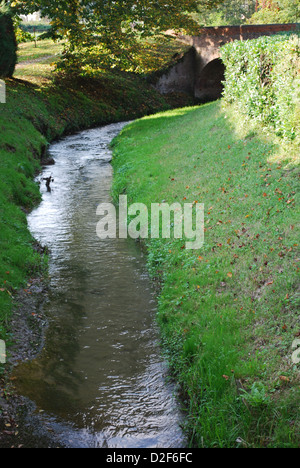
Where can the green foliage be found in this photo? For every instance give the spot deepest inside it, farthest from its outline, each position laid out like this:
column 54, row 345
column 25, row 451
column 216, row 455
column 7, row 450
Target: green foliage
column 23, row 36
column 38, row 28
column 262, row 80
column 236, row 12
column 8, row 44
column 258, row 396
column 115, row 28
column 147, row 56
column 276, row 11
column 230, row 12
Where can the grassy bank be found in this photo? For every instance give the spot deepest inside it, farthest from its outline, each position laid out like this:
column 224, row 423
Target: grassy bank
column 40, row 109
column 229, row 312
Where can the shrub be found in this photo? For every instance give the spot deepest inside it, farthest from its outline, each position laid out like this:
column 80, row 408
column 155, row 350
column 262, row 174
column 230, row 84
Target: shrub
column 262, row 80
column 38, row 28
column 23, row 36
column 8, row 45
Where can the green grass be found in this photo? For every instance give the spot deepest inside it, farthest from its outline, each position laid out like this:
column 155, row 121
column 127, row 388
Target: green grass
column 18, row 260
column 229, row 313
column 29, row 51
column 37, row 64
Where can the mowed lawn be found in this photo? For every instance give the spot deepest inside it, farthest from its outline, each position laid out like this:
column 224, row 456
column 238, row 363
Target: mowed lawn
column 229, row 312
column 36, row 62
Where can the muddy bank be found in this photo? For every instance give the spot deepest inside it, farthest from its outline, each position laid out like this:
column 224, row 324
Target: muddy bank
column 27, row 328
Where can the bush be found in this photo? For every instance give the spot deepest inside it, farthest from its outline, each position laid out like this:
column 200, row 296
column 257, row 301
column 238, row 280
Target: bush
column 22, row 36
column 262, row 80
column 37, row 28
column 8, row 46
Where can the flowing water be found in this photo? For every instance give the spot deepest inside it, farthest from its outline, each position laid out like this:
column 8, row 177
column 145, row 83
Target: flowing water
column 100, row 380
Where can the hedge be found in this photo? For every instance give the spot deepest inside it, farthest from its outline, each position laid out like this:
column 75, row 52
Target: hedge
column 8, row 46
column 263, row 81
column 35, row 28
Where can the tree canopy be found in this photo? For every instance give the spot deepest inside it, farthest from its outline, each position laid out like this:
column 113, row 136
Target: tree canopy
column 82, row 20
column 116, row 28
column 236, row 12
column 276, row 11
column 230, row 12
column 108, row 30
column 8, row 44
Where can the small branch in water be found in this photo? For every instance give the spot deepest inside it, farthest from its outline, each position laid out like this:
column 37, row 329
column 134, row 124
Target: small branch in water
column 48, row 182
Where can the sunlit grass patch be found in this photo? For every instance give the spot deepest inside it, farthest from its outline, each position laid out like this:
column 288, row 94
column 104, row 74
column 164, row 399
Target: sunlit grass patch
column 29, row 51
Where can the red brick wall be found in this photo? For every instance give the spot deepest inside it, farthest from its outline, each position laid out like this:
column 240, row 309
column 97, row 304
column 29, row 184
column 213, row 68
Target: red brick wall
column 247, row 31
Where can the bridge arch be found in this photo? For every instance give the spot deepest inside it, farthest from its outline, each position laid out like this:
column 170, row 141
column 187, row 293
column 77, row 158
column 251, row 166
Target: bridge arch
column 200, row 71
column 209, row 82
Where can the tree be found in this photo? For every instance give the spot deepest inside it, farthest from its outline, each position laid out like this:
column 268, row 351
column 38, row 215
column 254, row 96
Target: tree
column 230, row 12
column 276, row 11
column 116, row 27
column 8, row 44
column 81, row 20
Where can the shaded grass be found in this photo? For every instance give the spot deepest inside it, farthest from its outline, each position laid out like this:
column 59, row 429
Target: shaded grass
column 229, row 313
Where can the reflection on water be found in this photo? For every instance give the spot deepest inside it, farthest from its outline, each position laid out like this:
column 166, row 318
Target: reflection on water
column 100, row 378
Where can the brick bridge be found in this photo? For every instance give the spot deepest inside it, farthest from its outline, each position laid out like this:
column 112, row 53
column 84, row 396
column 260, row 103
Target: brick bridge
column 200, row 71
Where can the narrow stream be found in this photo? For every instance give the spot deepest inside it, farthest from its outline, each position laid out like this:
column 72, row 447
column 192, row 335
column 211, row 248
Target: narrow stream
column 100, row 380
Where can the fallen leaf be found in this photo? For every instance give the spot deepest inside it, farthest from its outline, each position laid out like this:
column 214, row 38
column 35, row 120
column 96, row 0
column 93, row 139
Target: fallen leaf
column 283, row 378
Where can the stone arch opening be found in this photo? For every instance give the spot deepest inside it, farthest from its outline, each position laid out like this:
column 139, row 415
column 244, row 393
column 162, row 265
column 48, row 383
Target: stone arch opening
column 209, row 85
